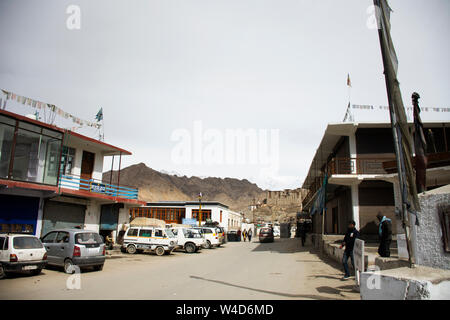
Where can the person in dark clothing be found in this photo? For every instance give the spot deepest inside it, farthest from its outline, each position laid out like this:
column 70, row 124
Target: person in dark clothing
column 349, row 242
column 249, row 235
column 302, row 232
column 385, row 234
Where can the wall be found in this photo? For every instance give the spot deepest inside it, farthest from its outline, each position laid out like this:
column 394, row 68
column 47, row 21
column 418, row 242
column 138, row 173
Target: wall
column 427, row 238
column 98, row 162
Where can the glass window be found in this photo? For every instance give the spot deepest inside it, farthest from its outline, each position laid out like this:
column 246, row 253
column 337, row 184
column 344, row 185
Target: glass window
column 2, row 242
column 62, row 237
column 145, row 233
column 6, row 142
column 26, row 243
column 36, row 157
column 133, row 232
column 158, row 233
column 49, row 237
column 88, row 238
column 67, row 160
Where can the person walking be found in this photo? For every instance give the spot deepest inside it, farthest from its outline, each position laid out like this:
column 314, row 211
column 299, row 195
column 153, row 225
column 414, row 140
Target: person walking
column 349, row 242
column 238, row 233
column 249, row 235
column 385, row 235
column 244, row 234
column 302, row 231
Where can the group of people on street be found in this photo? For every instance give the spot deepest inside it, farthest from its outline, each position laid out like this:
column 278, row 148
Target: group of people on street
column 247, row 235
column 384, row 234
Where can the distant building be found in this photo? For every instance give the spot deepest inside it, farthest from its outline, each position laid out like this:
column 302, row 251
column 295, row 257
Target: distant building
column 360, row 161
column 176, row 211
column 52, row 178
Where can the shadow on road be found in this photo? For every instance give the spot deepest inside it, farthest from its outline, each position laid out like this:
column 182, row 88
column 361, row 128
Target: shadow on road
column 289, row 295
column 290, row 245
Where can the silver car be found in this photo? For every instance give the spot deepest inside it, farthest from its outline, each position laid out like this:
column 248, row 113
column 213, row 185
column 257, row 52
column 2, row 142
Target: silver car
column 69, row 247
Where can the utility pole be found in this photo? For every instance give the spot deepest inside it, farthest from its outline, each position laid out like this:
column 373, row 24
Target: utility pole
column 200, row 209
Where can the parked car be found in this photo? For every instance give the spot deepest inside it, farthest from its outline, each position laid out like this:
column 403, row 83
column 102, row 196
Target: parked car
column 156, row 239
column 211, row 235
column 266, row 235
column 21, row 253
column 222, row 237
column 74, row 247
column 190, row 240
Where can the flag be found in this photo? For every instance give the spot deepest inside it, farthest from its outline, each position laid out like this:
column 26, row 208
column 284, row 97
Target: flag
column 321, row 198
column 398, row 120
column 99, row 116
column 349, row 83
column 420, row 146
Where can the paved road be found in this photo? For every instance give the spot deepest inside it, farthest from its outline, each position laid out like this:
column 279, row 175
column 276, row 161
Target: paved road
column 239, row 270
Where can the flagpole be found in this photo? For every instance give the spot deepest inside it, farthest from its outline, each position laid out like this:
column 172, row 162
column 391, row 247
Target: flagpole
column 397, row 147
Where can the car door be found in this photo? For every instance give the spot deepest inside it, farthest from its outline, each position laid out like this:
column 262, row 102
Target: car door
column 3, row 241
column 62, row 247
column 49, row 243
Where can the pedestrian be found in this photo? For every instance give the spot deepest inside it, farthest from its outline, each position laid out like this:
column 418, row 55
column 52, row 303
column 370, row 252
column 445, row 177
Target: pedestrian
column 244, row 234
column 238, row 235
column 302, row 231
column 249, row 235
column 349, row 241
column 385, row 235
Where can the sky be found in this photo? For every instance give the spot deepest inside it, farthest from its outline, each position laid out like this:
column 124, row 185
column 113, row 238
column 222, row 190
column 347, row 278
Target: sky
column 177, row 78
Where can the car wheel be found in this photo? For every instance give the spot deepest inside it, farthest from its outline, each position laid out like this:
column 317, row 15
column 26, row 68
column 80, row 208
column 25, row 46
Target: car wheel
column 36, row 272
column 131, row 249
column 189, row 247
column 208, row 244
column 69, row 267
column 160, row 251
column 98, row 267
column 2, row 272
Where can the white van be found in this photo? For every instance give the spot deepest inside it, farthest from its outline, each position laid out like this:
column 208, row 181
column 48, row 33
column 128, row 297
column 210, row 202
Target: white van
column 191, row 240
column 21, row 253
column 159, row 240
column 211, row 235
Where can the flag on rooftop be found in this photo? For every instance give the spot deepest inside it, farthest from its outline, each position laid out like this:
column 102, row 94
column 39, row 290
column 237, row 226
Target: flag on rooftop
column 99, row 116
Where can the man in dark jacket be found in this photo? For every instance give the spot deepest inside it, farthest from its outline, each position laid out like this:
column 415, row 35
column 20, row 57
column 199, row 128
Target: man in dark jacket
column 349, row 242
column 385, row 234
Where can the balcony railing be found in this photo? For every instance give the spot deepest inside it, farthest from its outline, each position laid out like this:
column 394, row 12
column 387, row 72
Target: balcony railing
column 358, row 165
column 96, row 186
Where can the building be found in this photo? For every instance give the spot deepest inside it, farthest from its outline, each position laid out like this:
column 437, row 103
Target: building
column 359, row 159
column 52, row 178
column 285, row 198
column 176, row 211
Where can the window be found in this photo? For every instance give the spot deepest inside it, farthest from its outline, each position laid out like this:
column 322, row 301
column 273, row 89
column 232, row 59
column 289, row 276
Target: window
column 220, row 215
column 444, row 217
column 158, row 233
column 6, row 142
column 88, row 238
column 62, row 237
column 49, row 237
column 26, row 243
column 2, row 242
column 67, row 160
column 133, row 232
column 145, row 233
column 206, row 214
column 207, row 230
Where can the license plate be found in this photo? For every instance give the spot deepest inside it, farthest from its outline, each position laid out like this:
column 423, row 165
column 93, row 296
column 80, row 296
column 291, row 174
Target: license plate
column 94, row 250
column 29, row 267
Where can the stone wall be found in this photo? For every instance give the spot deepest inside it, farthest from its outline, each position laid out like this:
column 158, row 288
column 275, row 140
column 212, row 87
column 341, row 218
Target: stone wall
column 427, row 238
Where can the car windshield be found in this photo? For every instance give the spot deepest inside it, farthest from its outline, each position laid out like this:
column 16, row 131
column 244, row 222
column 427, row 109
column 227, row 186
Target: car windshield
column 26, row 243
column 88, row 238
column 170, row 233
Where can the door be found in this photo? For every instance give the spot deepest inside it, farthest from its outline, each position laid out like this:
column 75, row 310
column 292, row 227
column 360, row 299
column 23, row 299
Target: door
column 87, row 165
column 49, row 243
column 62, row 247
column 334, row 218
column 61, row 215
column 110, row 216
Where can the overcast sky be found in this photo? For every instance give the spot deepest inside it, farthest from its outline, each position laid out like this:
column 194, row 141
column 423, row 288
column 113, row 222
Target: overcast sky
column 157, row 66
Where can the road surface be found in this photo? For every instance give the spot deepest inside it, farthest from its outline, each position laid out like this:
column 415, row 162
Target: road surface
column 238, row 270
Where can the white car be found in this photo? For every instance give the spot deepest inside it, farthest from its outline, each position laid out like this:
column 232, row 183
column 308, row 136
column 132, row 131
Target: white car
column 191, row 240
column 211, row 235
column 159, row 240
column 21, row 253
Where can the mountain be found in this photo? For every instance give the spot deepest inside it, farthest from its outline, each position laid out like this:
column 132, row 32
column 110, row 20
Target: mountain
column 158, row 186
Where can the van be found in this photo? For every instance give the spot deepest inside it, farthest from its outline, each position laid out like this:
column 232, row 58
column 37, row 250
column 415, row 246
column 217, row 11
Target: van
column 190, row 240
column 156, row 239
column 211, row 235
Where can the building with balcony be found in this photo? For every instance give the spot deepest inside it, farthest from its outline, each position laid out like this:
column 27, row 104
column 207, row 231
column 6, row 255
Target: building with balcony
column 359, row 160
column 52, row 178
column 176, row 211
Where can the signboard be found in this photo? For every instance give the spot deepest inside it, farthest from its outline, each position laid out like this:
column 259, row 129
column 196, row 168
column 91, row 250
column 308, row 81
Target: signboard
column 358, row 256
column 98, row 187
column 190, row 221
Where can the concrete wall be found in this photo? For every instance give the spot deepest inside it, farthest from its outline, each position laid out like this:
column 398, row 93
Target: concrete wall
column 98, row 161
column 427, row 238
